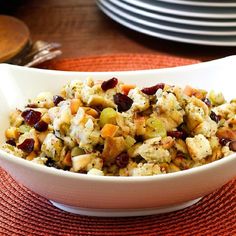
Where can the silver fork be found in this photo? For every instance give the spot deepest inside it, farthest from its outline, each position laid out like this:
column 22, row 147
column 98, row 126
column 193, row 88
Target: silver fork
column 37, row 53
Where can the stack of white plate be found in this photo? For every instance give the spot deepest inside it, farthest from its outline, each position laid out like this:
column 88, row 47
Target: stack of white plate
column 206, row 22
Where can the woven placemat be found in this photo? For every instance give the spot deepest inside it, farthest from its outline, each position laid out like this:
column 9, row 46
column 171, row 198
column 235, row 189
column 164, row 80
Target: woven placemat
column 117, row 62
column 23, row 212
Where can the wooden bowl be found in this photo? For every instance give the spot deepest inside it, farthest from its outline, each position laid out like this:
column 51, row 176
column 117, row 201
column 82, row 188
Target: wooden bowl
column 14, row 37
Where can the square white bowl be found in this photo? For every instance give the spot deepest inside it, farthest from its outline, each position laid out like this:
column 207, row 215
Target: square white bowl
column 116, row 196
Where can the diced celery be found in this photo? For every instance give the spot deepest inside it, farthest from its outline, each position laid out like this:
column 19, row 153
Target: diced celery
column 155, row 128
column 129, row 141
column 24, row 129
column 154, row 123
column 107, row 116
column 132, row 152
column 76, row 151
column 216, row 98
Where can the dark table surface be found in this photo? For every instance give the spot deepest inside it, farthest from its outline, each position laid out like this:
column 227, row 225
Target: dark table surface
column 83, row 30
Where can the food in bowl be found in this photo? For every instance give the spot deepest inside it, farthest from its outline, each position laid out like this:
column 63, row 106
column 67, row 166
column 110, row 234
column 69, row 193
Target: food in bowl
column 114, row 129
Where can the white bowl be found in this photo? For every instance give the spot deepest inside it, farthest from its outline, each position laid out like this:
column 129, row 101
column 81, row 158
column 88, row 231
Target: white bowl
column 116, row 196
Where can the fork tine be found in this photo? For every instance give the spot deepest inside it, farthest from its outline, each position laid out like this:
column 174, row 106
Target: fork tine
column 45, row 46
column 50, row 55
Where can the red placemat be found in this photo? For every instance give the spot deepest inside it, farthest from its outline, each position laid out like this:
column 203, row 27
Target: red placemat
column 23, row 212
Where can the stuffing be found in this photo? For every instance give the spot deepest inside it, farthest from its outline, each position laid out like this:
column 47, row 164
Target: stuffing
column 226, row 110
column 86, row 162
column 12, row 150
column 208, row 128
column 226, row 151
column 12, row 133
column 84, row 130
column 80, row 162
column 167, row 121
column 52, row 147
column 146, row 169
column 44, row 100
column 108, row 128
column 72, row 89
column 169, row 108
column 152, row 151
column 128, row 170
column 140, row 100
column 196, row 112
column 61, row 118
column 93, row 95
column 214, row 142
column 113, row 146
column 125, row 121
column 181, row 146
column 226, row 133
column 40, row 160
column 198, row 147
column 95, row 171
column 140, row 125
column 181, row 97
column 15, row 118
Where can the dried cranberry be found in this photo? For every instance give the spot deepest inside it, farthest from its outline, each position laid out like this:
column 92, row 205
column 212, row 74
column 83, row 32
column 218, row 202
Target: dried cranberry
column 109, row 84
column 41, row 126
column 207, row 102
column 31, row 117
column 11, row 142
column 152, row 90
column 122, row 160
column 27, row 145
column 224, row 141
column 57, row 99
column 232, row 145
column 139, row 138
column 123, row 102
column 185, row 131
column 214, row 117
column 176, row 134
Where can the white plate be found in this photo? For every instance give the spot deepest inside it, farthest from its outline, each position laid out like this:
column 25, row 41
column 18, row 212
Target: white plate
column 112, row 195
column 185, row 38
column 163, row 25
column 177, row 19
column 201, row 12
column 206, row 3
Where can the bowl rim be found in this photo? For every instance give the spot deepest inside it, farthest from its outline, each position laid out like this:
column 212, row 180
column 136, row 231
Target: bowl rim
column 62, row 173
